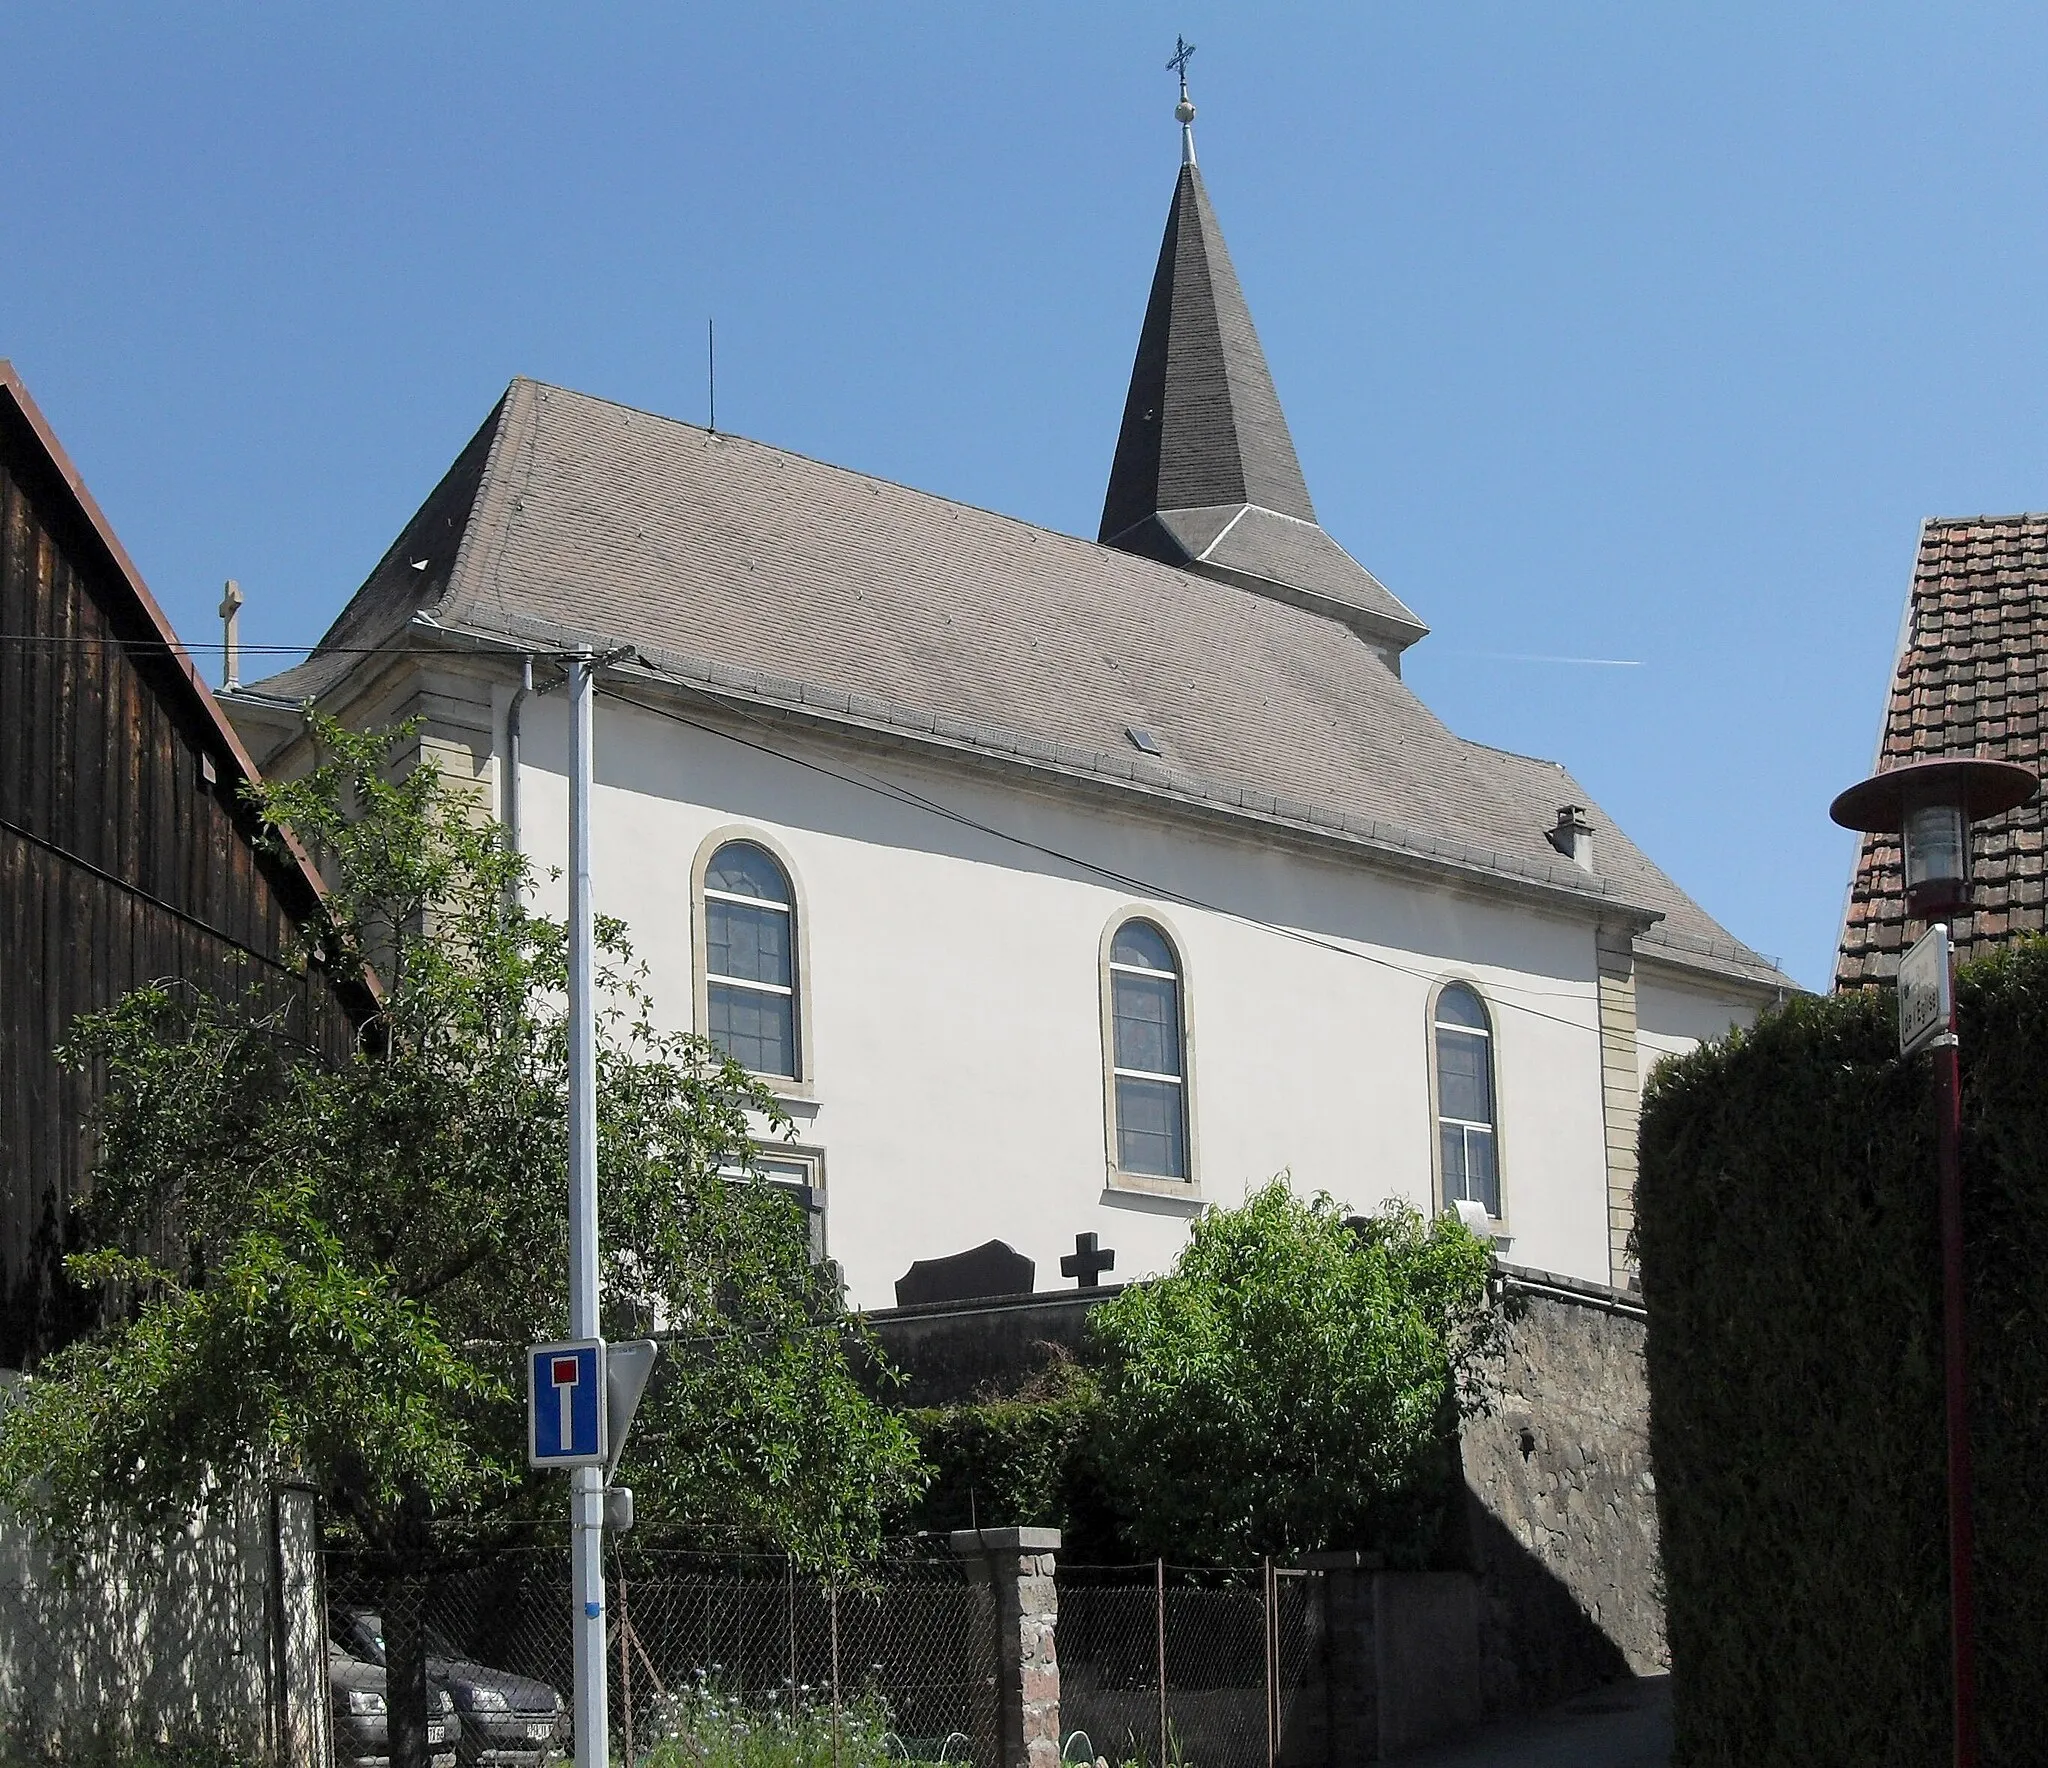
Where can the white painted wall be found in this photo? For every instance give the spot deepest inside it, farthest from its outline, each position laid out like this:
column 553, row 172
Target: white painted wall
column 953, row 997
column 1674, row 1014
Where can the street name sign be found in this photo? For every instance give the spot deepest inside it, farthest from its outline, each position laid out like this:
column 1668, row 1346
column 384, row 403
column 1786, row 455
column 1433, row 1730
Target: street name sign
column 1926, row 1004
column 566, row 1410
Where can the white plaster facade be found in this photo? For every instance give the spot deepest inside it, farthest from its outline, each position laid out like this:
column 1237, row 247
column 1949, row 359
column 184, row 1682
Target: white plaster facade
column 951, row 981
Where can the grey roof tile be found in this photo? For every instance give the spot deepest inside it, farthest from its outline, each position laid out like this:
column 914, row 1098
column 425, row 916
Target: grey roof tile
column 1205, row 473
column 765, row 574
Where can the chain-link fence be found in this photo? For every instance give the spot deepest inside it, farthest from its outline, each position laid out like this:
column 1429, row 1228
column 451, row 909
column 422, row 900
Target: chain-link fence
column 715, row 1662
column 1162, row 1665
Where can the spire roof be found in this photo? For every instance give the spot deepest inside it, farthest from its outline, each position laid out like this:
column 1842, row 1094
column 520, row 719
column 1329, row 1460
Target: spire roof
column 1205, row 475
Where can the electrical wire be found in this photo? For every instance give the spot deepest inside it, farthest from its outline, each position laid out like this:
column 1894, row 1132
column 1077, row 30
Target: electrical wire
column 886, row 788
column 1129, row 881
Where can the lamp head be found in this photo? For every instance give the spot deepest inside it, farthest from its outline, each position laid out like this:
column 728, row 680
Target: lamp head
column 1930, row 805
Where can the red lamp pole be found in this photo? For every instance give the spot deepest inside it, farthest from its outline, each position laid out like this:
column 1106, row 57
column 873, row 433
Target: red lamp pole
column 1948, row 1112
column 1930, row 805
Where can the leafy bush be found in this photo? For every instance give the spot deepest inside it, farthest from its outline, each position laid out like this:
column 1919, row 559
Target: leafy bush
column 1023, row 1460
column 1786, row 1220
column 1292, row 1384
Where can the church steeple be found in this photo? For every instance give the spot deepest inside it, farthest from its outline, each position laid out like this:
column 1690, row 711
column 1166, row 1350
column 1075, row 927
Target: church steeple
column 1205, row 475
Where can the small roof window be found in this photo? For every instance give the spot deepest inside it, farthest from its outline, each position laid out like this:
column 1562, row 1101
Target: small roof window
column 1141, row 738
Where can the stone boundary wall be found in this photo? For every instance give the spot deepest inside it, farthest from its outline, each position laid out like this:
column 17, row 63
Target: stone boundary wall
column 957, row 1351
column 1561, row 1500
column 212, row 1637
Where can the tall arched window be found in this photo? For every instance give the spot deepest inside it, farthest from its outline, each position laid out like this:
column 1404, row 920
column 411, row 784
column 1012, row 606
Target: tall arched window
column 1464, row 1099
column 750, row 959
column 1148, row 1053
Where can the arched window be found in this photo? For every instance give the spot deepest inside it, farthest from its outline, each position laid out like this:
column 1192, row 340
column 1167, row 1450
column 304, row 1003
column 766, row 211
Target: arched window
column 1464, row 1099
column 750, row 959
column 1148, row 1054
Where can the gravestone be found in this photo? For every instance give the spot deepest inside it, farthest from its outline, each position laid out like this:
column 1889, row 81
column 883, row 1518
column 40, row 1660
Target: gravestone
column 992, row 1268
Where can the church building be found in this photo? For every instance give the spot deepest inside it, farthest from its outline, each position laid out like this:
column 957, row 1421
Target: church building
column 1056, row 886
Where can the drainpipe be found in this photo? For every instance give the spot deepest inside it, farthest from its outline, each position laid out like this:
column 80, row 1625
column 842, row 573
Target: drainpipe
column 510, row 795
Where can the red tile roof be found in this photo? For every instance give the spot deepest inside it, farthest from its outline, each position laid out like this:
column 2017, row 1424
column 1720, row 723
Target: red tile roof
column 1971, row 680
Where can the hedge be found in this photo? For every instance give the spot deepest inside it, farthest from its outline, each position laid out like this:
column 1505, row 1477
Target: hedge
column 1026, row 1461
column 1787, row 1229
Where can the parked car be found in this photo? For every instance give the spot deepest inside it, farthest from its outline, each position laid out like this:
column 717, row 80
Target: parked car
column 507, row 1721
column 362, row 1718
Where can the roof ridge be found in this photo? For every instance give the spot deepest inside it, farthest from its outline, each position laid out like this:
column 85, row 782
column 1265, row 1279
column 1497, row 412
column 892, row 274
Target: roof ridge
column 1515, row 754
column 1121, row 554
column 1986, row 516
column 829, row 466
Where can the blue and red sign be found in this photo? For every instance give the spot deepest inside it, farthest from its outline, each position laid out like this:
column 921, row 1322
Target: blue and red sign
column 565, row 1404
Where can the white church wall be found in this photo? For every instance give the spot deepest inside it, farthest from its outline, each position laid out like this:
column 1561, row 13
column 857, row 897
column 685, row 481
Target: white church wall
column 953, row 1000
column 1675, row 1014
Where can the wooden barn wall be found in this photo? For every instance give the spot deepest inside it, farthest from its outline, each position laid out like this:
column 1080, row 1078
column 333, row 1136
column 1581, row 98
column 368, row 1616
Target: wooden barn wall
column 119, row 866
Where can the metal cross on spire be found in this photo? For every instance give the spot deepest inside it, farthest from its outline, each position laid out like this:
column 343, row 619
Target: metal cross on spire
column 1185, row 110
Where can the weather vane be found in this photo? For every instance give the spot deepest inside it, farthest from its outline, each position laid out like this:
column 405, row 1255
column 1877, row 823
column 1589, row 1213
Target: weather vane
column 1185, row 110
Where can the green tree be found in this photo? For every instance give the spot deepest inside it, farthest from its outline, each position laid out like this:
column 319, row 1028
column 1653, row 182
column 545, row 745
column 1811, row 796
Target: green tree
column 1291, row 1384
column 331, row 1270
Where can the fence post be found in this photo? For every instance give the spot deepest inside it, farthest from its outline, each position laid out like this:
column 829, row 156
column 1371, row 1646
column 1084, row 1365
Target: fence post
column 1272, row 1642
column 835, row 1669
column 1017, row 1566
column 625, row 1660
column 1159, row 1618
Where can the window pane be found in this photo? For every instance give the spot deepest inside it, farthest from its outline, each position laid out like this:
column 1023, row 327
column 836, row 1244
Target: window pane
column 1453, row 1141
column 746, row 870
column 1147, row 1014
column 746, row 942
column 1464, row 1081
column 1458, row 1005
column 1141, row 943
column 758, row 1031
column 1151, row 1135
column 1481, row 1179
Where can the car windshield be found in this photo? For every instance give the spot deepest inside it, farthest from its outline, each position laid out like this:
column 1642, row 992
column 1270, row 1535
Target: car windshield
column 365, row 1633
column 439, row 1645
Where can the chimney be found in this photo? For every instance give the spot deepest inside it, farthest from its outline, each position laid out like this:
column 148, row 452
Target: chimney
column 1573, row 836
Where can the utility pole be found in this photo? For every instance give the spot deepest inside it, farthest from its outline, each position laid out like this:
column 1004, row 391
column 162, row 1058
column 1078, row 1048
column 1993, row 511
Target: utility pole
column 586, row 1483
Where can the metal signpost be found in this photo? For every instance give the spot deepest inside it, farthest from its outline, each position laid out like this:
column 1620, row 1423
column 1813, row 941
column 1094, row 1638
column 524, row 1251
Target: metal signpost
column 581, row 1393
column 586, row 1478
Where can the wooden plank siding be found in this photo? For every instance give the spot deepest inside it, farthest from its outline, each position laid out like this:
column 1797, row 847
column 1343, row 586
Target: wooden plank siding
column 120, row 863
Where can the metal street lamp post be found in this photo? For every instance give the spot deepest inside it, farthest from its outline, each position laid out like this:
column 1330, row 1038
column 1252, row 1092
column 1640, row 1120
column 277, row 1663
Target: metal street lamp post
column 1930, row 805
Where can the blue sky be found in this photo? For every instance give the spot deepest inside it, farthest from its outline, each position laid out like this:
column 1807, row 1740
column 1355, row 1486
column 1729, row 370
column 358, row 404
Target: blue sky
column 1619, row 331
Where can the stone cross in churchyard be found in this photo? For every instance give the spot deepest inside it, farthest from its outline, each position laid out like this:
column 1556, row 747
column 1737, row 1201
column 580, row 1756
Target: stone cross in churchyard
column 1085, row 1264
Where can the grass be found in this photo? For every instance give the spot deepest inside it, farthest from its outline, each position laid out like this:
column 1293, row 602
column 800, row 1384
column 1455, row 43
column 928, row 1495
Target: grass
column 707, row 1728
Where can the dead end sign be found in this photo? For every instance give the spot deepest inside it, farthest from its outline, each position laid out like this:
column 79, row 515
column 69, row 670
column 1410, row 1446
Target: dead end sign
column 566, row 1404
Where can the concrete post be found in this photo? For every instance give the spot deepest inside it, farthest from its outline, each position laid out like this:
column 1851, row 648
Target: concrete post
column 1017, row 1567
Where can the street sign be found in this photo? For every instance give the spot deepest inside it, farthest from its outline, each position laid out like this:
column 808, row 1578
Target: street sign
column 627, row 1366
column 1926, row 1005
column 566, row 1409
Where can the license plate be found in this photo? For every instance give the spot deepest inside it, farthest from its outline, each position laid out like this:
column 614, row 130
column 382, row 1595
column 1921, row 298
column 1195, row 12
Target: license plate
column 541, row 1733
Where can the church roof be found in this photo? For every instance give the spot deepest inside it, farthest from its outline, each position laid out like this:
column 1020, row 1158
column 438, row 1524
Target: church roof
column 1972, row 679
column 759, row 576
column 1205, row 474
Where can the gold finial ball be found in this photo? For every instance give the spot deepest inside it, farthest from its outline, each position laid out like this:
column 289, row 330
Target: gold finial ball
column 1185, row 110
